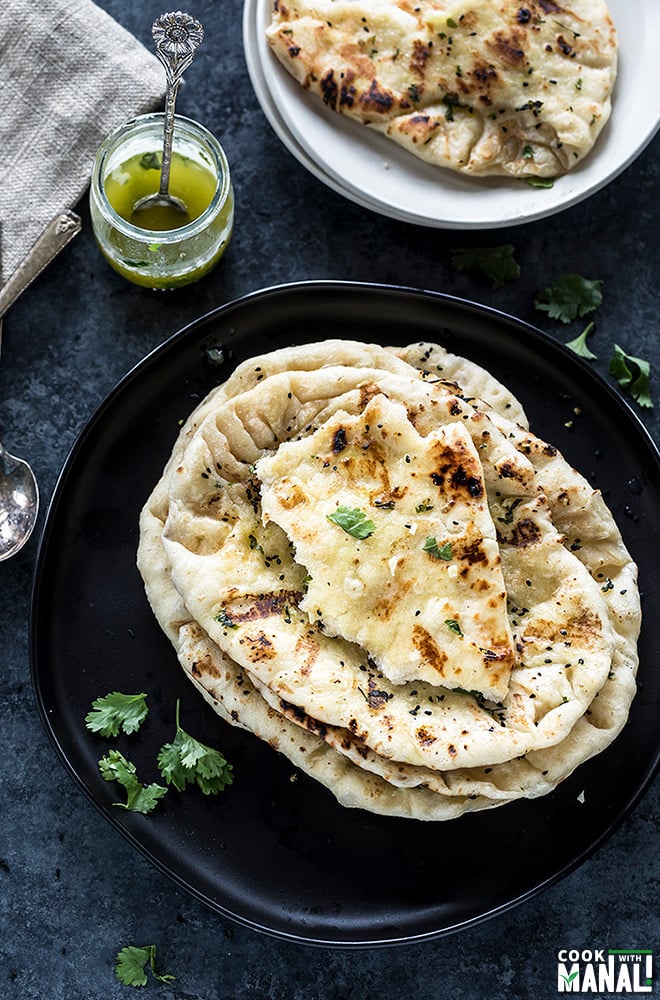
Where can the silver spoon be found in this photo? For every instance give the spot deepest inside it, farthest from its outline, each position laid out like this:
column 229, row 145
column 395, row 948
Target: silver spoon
column 19, row 503
column 177, row 37
column 19, row 493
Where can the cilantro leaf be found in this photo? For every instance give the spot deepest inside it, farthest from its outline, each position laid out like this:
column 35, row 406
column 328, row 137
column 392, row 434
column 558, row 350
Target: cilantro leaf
column 633, row 374
column 186, row 761
column 117, row 711
column 353, row 521
column 139, row 798
column 579, row 345
column 497, row 263
column 568, row 297
column 438, row 552
column 131, row 967
column 150, row 161
column 453, row 626
column 225, row 619
column 540, row 182
column 509, row 510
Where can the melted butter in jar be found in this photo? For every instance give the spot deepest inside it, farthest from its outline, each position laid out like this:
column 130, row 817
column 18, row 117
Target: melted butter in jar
column 161, row 246
column 191, row 181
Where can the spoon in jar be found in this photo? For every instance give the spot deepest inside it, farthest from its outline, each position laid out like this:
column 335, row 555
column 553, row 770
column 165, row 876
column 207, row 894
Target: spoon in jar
column 177, row 37
column 19, row 493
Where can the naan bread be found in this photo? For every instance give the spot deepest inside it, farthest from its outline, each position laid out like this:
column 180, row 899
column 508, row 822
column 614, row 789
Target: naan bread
column 428, row 557
column 353, row 786
column 589, row 530
column 239, row 579
column 475, row 383
column 578, row 510
column 405, row 791
column 478, row 86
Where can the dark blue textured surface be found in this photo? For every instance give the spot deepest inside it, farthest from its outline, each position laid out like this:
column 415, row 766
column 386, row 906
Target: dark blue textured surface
column 72, row 890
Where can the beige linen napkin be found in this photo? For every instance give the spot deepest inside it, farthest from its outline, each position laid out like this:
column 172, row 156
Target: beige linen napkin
column 69, row 74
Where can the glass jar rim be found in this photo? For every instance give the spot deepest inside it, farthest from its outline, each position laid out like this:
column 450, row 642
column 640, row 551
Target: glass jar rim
column 194, row 130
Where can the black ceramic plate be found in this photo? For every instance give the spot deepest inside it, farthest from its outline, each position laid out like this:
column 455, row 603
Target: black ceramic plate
column 276, row 851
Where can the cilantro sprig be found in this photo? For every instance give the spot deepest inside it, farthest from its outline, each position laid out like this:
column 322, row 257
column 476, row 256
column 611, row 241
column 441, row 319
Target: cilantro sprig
column 497, row 263
column 117, row 711
column 185, row 761
column 579, row 344
column 569, row 297
column 437, row 551
column 139, row 798
column 353, row 521
column 131, row 966
column 633, row 374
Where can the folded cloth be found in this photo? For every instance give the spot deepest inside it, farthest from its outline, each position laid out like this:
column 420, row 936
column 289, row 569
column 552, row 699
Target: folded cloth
column 69, row 75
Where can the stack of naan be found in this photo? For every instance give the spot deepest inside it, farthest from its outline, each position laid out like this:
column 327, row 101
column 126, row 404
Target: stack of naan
column 518, row 87
column 364, row 556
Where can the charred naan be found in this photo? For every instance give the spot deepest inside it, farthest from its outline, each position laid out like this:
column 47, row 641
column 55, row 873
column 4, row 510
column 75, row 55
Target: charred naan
column 356, row 775
column 429, row 556
column 239, row 579
column 478, row 86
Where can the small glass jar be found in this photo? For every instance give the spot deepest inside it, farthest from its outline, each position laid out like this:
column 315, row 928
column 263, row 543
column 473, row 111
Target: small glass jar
column 127, row 168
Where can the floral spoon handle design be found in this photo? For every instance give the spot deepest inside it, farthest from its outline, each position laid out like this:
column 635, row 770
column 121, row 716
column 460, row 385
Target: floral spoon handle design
column 177, row 37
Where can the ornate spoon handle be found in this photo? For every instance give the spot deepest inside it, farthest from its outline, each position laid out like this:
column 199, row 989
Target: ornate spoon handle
column 177, row 37
column 55, row 236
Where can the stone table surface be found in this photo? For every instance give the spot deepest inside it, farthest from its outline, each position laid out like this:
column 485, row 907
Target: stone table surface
column 74, row 890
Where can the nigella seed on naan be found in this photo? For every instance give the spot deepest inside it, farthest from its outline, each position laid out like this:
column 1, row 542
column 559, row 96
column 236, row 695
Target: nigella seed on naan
column 478, row 86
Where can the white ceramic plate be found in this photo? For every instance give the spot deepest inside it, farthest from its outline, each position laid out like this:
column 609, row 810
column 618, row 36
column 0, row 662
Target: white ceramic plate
column 372, row 170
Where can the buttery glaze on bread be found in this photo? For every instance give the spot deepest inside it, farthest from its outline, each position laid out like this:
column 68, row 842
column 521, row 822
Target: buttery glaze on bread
column 483, row 87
